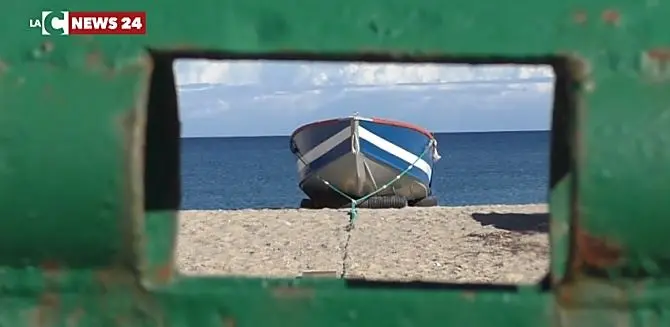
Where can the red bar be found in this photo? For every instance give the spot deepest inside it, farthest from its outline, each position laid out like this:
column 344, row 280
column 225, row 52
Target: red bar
column 121, row 23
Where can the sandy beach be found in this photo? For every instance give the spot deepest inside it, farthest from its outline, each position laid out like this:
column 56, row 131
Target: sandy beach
column 493, row 243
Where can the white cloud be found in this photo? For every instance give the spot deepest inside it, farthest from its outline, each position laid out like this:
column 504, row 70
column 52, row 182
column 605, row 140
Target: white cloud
column 250, row 72
column 448, row 97
column 216, row 71
column 366, row 74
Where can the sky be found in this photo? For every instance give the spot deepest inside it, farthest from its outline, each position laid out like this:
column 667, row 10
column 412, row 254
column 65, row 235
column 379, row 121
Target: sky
column 253, row 98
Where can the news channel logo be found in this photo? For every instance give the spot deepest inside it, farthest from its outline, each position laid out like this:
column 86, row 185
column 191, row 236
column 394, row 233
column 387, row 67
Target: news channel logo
column 52, row 23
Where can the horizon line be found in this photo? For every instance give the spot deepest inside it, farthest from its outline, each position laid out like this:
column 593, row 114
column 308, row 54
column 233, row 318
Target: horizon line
column 287, row 135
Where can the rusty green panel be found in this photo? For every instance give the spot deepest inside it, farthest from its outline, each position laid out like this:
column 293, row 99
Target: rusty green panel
column 87, row 234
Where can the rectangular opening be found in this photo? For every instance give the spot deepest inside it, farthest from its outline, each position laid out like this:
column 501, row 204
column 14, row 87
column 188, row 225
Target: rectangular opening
column 241, row 177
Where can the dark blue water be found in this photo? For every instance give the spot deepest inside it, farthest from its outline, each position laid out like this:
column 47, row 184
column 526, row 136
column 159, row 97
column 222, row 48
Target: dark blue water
column 260, row 172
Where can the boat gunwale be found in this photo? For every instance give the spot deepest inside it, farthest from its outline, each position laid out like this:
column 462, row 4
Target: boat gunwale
column 382, row 121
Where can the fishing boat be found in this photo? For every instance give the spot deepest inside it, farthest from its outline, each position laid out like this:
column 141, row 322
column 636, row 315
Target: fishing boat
column 356, row 156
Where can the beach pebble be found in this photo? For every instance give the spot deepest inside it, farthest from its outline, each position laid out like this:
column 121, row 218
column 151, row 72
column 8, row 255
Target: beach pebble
column 494, row 244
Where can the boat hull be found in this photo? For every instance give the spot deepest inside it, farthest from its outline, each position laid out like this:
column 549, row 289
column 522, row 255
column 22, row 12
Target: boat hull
column 358, row 156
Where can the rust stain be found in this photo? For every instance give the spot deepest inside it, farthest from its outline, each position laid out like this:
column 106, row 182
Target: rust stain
column 579, row 17
column 122, row 321
column 94, row 59
column 50, row 267
column 164, row 273
column 229, row 322
column 49, row 300
column 596, row 252
column 48, row 91
column 287, row 292
column 659, row 54
column 105, row 277
column 469, row 295
column 611, row 16
column 579, row 68
column 3, row 67
column 142, row 63
column 46, row 309
column 47, row 47
column 566, row 294
column 655, row 64
column 74, row 317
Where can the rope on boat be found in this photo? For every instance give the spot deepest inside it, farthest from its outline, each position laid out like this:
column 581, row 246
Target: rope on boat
column 353, row 212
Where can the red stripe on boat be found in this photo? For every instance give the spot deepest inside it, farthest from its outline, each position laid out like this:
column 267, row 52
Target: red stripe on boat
column 403, row 124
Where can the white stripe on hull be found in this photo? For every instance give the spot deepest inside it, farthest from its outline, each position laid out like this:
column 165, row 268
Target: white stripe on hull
column 395, row 150
column 324, row 147
column 364, row 134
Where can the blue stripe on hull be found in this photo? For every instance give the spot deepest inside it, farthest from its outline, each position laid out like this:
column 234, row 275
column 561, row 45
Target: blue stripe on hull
column 411, row 140
column 408, row 139
column 381, row 156
column 312, row 136
column 332, row 155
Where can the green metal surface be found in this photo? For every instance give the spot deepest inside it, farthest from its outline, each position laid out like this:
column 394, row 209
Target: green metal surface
column 87, row 234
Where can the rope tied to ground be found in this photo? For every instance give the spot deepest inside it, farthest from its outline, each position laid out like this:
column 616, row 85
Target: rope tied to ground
column 353, row 211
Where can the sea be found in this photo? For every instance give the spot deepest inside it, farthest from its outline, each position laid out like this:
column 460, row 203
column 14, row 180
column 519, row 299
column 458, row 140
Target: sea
column 260, row 172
